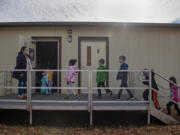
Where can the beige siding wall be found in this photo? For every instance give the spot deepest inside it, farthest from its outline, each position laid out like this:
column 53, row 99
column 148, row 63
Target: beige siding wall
column 145, row 47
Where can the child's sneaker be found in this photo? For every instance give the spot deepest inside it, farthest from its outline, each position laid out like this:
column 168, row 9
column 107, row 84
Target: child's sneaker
column 131, row 98
column 76, row 97
column 20, row 96
column 170, row 116
column 110, row 93
column 116, row 98
column 160, row 109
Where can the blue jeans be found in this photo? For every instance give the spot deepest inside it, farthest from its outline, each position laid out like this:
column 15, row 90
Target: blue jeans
column 20, row 90
column 124, row 84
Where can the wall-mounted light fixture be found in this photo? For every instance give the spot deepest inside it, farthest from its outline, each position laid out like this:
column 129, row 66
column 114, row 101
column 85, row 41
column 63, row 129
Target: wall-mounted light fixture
column 70, row 38
column 69, row 32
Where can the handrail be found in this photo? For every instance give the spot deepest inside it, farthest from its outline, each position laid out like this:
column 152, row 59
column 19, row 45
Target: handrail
column 142, row 80
column 93, row 88
column 162, row 94
column 10, row 70
column 117, row 88
column 57, row 70
column 166, row 79
column 36, row 70
column 64, row 70
column 121, row 70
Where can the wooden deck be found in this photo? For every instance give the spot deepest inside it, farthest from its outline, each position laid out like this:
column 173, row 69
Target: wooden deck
column 57, row 102
column 89, row 103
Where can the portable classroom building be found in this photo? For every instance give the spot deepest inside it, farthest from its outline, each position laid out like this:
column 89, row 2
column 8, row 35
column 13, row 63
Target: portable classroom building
column 146, row 45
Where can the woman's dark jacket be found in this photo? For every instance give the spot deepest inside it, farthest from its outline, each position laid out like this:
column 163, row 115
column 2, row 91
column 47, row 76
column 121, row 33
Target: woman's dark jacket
column 20, row 64
column 154, row 84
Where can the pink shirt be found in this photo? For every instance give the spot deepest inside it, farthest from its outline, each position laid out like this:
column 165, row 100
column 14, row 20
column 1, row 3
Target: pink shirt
column 175, row 93
column 72, row 76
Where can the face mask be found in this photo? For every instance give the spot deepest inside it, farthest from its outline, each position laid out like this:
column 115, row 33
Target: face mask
column 145, row 74
column 26, row 52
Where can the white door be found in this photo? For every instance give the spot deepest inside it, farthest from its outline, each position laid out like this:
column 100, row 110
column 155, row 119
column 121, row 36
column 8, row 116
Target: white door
column 91, row 52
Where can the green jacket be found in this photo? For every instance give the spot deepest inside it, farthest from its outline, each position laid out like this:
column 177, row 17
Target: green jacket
column 101, row 76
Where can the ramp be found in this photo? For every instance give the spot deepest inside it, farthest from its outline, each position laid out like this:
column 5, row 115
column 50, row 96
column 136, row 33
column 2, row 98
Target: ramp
column 163, row 117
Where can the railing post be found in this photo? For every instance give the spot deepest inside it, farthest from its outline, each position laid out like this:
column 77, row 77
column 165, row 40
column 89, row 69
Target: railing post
column 29, row 103
column 89, row 89
column 150, row 97
column 11, row 83
column 5, row 82
column 90, row 95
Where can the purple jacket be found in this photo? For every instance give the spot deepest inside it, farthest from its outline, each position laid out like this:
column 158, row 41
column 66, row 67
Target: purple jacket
column 174, row 95
column 72, row 76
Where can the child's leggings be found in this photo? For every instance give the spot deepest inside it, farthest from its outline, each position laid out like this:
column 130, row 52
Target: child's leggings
column 71, row 91
column 124, row 84
column 175, row 106
column 155, row 100
column 154, row 97
column 102, row 84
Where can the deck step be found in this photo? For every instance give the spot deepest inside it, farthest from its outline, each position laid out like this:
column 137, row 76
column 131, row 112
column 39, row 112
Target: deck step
column 163, row 117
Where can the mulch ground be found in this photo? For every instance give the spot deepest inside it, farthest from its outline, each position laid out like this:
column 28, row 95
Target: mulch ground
column 15, row 122
column 43, row 130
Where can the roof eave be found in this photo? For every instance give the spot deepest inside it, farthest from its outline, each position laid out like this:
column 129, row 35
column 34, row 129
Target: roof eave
column 20, row 24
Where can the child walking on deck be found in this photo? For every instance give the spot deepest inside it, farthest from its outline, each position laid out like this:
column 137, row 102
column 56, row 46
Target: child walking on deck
column 154, row 86
column 50, row 80
column 44, row 83
column 71, row 78
column 101, row 78
column 123, row 76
